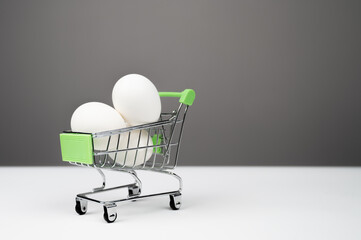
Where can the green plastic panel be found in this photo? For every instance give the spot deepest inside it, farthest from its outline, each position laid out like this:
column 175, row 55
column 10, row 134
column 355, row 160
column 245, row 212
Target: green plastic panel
column 158, row 137
column 187, row 96
column 77, row 147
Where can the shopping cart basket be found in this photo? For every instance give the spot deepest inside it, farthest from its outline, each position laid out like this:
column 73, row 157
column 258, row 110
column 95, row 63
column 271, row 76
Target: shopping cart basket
column 78, row 149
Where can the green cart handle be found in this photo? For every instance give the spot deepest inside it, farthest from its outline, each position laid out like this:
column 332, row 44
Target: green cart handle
column 187, row 96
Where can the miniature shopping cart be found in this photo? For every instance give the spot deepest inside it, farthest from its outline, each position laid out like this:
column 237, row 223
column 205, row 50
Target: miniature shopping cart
column 165, row 139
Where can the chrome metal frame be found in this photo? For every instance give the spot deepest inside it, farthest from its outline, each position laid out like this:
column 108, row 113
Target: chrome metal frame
column 170, row 126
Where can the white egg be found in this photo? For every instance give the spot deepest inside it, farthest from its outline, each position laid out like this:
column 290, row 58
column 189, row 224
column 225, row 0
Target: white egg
column 95, row 117
column 140, row 156
column 136, row 98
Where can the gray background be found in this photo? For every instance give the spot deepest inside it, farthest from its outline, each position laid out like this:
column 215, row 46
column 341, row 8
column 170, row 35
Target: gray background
column 277, row 82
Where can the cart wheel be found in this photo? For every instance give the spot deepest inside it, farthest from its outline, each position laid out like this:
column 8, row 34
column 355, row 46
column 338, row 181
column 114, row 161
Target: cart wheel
column 175, row 201
column 81, row 206
column 110, row 214
column 134, row 191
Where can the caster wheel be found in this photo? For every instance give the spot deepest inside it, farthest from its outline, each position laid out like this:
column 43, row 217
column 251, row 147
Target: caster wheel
column 110, row 214
column 134, row 191
column 81, row 207
column 175, row 201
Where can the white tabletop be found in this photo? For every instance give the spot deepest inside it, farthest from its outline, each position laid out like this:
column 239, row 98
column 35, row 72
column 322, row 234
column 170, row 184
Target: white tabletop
column 218, row 203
